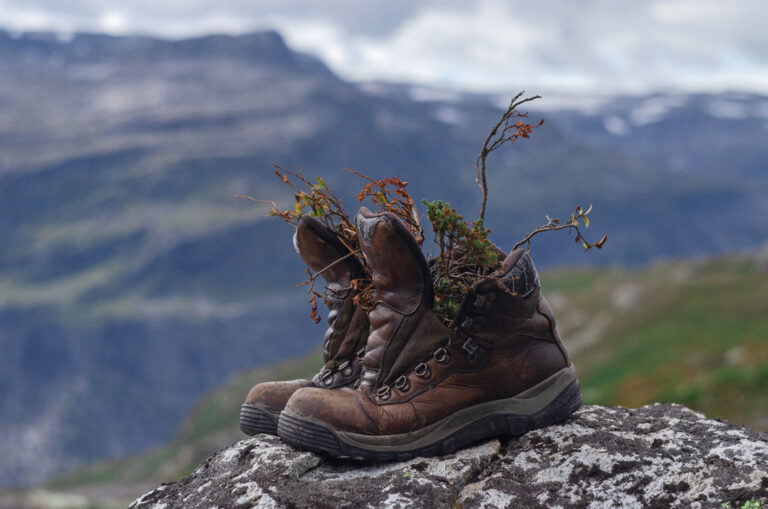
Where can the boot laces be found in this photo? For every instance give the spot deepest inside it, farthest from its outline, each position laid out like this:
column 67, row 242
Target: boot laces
column 339, row 294
column 326, row 375
column 441, row 355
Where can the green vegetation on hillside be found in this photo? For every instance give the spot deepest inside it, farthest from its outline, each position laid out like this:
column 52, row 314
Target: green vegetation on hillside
column 692, row 332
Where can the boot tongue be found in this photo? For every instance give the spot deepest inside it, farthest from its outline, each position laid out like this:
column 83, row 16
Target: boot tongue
column 319, row 247
column 403, row 329
column 321, row 250
column 401, row 276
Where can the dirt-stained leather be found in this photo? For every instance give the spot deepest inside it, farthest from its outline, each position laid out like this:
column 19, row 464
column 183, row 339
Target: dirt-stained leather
column 347, row 331
column 403, row 298
column 416, row 371
column 272, row 396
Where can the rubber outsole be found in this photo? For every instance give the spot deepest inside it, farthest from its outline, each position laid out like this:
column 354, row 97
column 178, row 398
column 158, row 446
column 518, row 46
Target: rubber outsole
column 319, row 437
column 255, row 419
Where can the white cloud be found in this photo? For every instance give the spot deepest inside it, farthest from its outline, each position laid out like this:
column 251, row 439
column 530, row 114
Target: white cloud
column 590, row 46
column 596, row 45
column 113, row 22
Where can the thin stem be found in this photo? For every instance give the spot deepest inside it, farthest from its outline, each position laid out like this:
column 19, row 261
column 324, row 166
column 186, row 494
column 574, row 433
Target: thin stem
column 314, row 276
column 541, row 229
column 495, row 139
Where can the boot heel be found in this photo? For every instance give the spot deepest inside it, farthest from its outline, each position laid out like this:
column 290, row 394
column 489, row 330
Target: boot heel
column 565, row 404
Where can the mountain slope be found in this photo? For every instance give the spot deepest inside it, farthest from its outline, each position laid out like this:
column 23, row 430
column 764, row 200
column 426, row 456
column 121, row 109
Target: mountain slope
column 131, row 281
column 685, row 331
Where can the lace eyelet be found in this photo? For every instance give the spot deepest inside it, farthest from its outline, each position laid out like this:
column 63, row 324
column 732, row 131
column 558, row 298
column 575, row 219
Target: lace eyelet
column 384, row 393
column 473, row 324
column 471, row 348
column 442, row 356
column 325, row 376
column 402, row 383
column 347, row 371
column 361, row 354
column 422, row 371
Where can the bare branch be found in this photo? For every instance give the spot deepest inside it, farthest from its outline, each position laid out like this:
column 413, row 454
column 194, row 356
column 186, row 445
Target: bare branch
column 312, row 277
column 553, row 224
column 509, row 133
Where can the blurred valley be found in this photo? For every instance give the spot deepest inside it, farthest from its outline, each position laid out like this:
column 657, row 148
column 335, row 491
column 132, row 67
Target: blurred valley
column 132, row 281
column 691, row 332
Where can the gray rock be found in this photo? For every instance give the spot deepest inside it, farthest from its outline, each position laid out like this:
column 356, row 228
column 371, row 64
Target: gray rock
column 658, row 455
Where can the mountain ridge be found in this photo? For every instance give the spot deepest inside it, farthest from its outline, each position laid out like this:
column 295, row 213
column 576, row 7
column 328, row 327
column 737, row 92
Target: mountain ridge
column 128, row 268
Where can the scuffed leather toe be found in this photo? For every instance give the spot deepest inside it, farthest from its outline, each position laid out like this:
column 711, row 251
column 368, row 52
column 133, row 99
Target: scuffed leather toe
column 341, row 409
column 274, row 395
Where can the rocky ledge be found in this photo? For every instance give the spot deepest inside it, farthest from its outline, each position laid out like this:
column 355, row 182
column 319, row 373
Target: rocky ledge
column 654, row 456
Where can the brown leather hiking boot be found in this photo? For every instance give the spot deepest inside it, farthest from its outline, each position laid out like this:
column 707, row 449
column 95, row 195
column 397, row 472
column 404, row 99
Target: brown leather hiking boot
column 344, row 340
column 425, row 390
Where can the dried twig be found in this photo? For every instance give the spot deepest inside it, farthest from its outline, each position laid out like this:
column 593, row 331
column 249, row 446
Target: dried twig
column 553, row 224
column 312, row 277
column 510, row 132
column 273, row 206
column 390, row 194
column 315, row 198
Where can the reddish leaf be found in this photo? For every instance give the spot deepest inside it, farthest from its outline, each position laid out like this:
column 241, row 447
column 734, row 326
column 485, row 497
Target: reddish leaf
column 600, row 242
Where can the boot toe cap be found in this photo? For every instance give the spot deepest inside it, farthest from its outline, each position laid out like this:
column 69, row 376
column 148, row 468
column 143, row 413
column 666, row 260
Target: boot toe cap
column 274, row 395
column 341, row 409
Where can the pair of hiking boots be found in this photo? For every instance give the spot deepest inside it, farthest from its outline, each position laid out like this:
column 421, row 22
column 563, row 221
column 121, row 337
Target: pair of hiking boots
column 398, row 383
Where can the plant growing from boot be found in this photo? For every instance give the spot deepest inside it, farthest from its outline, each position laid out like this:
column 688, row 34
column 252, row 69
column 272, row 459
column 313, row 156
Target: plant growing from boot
column 315, row 199
column 466, row 254
column 318, row 200
column 510, row 128
column 390, row 194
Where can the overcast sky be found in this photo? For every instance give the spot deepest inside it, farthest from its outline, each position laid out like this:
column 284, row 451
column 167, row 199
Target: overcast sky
column 486, row 45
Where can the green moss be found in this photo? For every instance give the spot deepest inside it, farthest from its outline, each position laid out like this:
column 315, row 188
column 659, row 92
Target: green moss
column 466, row 253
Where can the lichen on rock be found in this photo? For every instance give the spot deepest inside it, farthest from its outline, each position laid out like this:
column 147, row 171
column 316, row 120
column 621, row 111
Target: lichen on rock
column 658, row 455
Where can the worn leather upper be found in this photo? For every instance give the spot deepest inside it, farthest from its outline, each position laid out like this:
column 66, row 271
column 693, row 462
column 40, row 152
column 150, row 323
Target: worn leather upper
column 273, row 396
column 403, row 298
column 347, row 331
column 416, row 371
